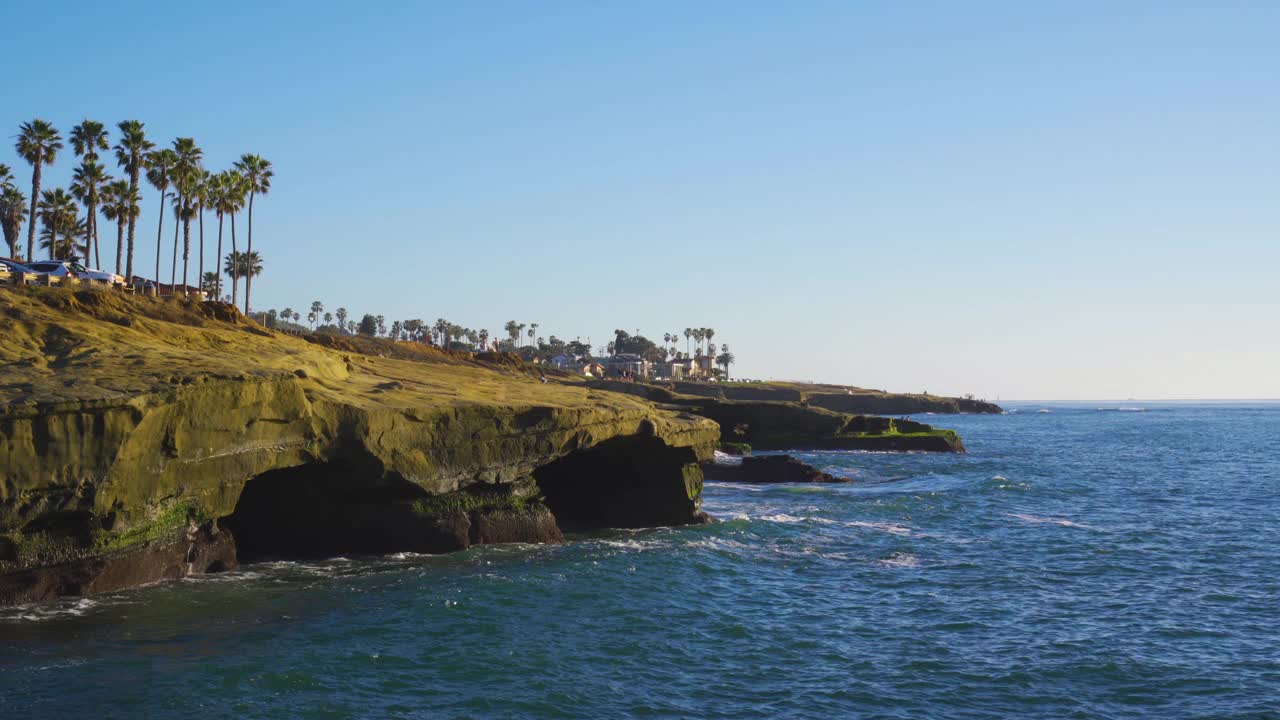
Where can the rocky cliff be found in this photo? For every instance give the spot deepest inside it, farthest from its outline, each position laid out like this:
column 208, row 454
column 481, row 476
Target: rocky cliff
column 144, row 439
column 794, row 425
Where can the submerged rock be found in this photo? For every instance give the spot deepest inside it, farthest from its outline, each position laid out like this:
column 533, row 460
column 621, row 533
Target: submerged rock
column 769, row 469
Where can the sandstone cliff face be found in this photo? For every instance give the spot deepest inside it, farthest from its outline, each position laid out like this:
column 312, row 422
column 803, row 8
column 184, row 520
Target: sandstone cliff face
column 133, row 429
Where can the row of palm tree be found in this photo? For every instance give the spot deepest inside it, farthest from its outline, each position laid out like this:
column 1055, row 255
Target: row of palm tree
column 697, row 335
column 178, row 171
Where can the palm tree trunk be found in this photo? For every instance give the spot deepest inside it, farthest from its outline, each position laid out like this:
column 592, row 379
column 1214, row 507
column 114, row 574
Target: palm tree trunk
column 217, row 259
column 31, row 219
column 248, row 277
column 119, row 243
column 159, row 235
column 88, row 239
column 186, row 241
column 201, row 263
column 235, row 265
column 173, row 267
column 133, row 222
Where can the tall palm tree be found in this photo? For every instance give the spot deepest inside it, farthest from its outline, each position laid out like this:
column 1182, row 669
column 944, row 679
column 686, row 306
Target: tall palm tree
column 57, row 212
column 242, row 265
column 87, row 139
column 160, row 164
column 120, row 203
column 533, row 332
column 707, row 334
column 13, row 209
column 201, row 197
column 176, row 203
column 38, row 144
column 186, row 181
column 131, row 154
column 89, row 178
column 257, row 173
column 725, row 359
column 231, row 201
column 688, row 333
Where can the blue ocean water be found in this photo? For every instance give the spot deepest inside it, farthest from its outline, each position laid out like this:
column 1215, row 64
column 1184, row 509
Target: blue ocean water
column 1092, row 561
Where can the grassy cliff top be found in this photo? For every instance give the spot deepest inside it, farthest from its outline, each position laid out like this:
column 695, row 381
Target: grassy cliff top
column 62, row 346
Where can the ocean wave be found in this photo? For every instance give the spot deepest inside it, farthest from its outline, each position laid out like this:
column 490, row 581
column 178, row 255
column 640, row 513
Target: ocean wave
column 900, row 560
column 69, row 607
column 1036, row 519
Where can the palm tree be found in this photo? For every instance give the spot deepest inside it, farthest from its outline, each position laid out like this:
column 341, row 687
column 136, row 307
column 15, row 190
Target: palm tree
column 533, row 332
column 688, row 333
column 513, row 331
column 160, row 164
column 708, row 333
column 201, row 197
column 242, row 264
column 484, row 340
column 725, row 359
column 85, row 186
column 186, row 178
column 131, row 154
column 209, row 283
column 257, row 173
column 57, row 212
column 87, row 139
column 38, row 144
column 13, row 210
column 121, row 206
column 317, row 307
column 230, row 200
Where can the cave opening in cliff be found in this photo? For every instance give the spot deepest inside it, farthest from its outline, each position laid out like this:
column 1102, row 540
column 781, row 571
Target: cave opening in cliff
column 328, row 509
column 627, row 482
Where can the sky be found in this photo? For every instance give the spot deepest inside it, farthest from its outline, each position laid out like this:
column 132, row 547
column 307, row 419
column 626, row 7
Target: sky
column 1050, row 200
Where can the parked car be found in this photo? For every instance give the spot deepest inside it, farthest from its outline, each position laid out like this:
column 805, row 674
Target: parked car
column 71, row 268
column 13, row 266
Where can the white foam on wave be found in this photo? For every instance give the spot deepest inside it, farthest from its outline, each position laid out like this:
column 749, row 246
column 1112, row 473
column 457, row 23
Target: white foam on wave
column 1036, row 519
column 900, row 560
column 48, row 611
column 892, row 528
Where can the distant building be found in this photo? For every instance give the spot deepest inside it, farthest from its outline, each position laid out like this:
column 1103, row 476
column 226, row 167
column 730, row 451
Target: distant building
column 627, row 365
column 667, row 370
column 564, row 362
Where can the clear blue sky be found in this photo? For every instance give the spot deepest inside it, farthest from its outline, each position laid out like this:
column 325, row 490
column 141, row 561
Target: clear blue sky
column 1024, row 200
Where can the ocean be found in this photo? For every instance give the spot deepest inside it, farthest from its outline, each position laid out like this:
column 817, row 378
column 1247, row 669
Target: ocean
column 1096, row 560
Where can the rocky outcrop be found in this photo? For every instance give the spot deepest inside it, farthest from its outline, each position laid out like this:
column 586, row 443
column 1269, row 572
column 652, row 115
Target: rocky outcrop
column 142, row 440
column 762, row 469
column 786, row 425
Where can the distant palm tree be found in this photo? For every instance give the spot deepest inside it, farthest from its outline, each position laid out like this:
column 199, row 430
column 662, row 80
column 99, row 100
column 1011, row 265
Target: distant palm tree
column 707, row 334
column 209, row 283
column 725, row 359
column 484, row 340
column 513, row 331
column 187, row 173
column 533, row 332
column 13, row 210
column 257, row 173
column 160, row 165
column 86, row 186
column 131, row 154
column 38, row 144
column 201, row 197
column 231, row 194
column 688, row 333
column 317, row 307
column 59, row 223
column 242, row 264
column 121, row 204
column 87, row 139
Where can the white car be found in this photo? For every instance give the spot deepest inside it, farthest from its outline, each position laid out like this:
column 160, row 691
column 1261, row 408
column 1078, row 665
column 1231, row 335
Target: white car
column 72, row 268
